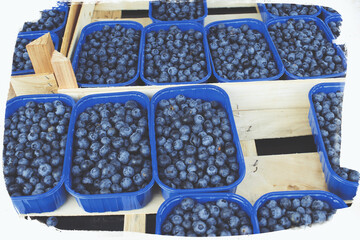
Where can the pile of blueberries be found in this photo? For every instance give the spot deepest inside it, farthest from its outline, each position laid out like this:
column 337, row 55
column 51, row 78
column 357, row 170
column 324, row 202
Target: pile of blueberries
column 109, row 56
column 174, row 56
column 283, row 10
column 49, row 20
column 34, row 147
column 209, row 219
column 328, row 108
column 304, row 49
column 172, row 10
column 194, row 143
column 21, row 60
column 335, row 27
column 240, row 53
column 111, row 149
column 285, row 213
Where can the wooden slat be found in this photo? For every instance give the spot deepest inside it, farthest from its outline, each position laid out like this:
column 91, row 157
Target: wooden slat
column 272, row 123
column 85, row 15
column 123, row 5
column 11, row 93
column 63, row 71
column 142, row 21
column 114, row 15
column 230, row 3
column 70, row 27
column 214, row 18
column 248, row 148
column 243, row 95
column 34, row 84
column 40, row 51
column 135, row 223
column 281, row 173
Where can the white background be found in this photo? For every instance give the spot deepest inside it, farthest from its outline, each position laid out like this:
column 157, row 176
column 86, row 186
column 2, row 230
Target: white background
column 345, row 223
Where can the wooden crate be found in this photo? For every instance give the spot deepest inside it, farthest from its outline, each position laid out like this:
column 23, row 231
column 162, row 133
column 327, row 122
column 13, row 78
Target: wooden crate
column 262, row 110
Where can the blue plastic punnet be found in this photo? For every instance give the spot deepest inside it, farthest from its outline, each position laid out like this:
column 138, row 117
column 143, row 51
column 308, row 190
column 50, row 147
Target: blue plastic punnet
column 325, row 13
column 53, row 199
column 334, row 201
column 113, row 201
column 337, row 185
column 183, row 26
column 260, row 27
column 169, row 204
column 328, row 36
column 198, row 20
column 59, row 31
column 266, row 15
column 332, row 18
column 97, row 26
column 207, row 93
column 33, row 36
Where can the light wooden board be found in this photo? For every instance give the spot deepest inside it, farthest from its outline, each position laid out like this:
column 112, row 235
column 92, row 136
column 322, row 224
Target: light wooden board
column 84, row 18
column 142, row 21
column 135, row 223
column 114, row 15
column 270, row 173
column 248, row 148
column 34, row 84
column 122, row 5
column 272, row 123
column 214, row 18
column 11, row 93
column 230, row 3
column 243, row 95
column 70, row 27
column 286, row 172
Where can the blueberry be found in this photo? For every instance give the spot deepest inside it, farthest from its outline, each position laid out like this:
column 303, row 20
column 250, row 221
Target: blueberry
column 187, row 204
column 52, row 221
column 44, row 169
column 317, row 205
column 306, row 201
column 126, row 183
column 319, row 216
column 276, row 212
column 199, row 227
column 167, row 227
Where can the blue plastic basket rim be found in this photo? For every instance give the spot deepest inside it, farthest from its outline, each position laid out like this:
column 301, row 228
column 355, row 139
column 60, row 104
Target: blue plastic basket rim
column 54, row 38
column 332, row 18
column 296, row 194
column 329, row 36
column 154, row 152
column 329, row 13
column 30, row 98
column 61, row 8
column 68, row 155
column 81, row 41
column 240, row 200
column 154, row 20
column 197, row 27
column 274, row 16
column 275, row 53
column 315, row 89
